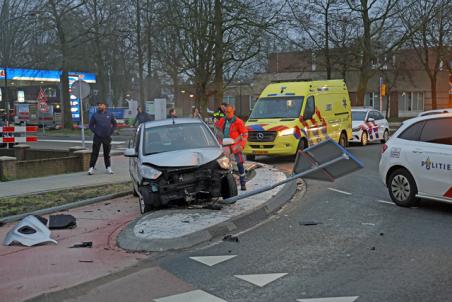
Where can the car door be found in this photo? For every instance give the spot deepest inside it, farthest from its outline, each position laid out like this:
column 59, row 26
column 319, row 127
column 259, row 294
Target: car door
column 372, row 125
column 381, row 123
column 134, row 161
column 435, row 147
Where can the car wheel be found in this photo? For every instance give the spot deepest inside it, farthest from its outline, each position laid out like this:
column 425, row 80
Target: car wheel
column 228, row 186
column 343, row 140
column 402, row 188
column 364, row 138
column 385, row 137
column 148, row 200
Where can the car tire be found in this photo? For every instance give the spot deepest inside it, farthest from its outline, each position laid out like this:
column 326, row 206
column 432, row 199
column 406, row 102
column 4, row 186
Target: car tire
column 148, row 200
column 402, row 188
column 364, row 138
column 302, row 144
column 385, row 136
column 343, row 141
column 228, row 186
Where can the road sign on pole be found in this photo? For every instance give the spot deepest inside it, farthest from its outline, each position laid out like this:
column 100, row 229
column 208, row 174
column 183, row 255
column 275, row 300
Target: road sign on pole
column 81, row 89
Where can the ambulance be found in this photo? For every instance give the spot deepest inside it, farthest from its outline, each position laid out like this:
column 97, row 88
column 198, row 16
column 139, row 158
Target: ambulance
column 290, row 116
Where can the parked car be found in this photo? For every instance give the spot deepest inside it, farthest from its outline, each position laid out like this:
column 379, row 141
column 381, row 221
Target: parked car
column 417, row 160
column 178, row 159
column 368, row 125
column 436, row 111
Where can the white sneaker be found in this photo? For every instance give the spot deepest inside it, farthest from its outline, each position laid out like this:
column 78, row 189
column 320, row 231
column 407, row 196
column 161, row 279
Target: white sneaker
column 91, row 171
column 109, row 170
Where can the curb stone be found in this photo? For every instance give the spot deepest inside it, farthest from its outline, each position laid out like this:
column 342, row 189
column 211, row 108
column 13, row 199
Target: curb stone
column 128, row 241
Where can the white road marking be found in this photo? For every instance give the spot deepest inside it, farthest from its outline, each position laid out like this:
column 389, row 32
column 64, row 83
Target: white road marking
column 260, row 279
column 386, row 202
column 193, row 296
column 333, row 299
column 368, row 223
column 88, row 141
column 212, row 260
column 339, row 191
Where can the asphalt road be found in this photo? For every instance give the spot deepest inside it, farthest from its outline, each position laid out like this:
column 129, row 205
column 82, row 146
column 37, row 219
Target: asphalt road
column 357, row 244
column 364, row 246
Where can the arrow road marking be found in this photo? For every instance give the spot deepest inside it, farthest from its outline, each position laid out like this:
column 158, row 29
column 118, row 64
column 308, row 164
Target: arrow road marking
column 212, row 260
column 193, row 296
column 260, row 280
column 335, row 299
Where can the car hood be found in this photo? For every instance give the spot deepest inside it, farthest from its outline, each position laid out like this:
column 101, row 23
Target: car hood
column 183, row 158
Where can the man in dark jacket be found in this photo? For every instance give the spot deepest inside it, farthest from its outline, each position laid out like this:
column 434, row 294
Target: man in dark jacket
column 141, row 117
column 102, row 124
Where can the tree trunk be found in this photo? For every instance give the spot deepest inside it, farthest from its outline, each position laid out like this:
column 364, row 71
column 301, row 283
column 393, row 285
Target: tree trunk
column 219, row 55
column 140, row 54
column 433, row 88
column 362, row 89
column 66, row 104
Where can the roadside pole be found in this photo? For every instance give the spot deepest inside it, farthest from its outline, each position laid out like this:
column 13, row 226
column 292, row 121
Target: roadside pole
column 381, row 94
column 80, row 77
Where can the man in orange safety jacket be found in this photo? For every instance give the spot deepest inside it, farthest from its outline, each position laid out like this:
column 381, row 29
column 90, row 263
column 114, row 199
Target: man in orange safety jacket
column 230, row 126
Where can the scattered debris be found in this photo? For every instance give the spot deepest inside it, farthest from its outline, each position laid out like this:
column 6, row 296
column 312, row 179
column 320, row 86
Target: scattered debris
column 231, row 238
column 1, row 224
column 307, row 223
column 88, row 244
column 372, row 248
column 107, row 203
column 213, row 206
column 382, row 234
column 119, row 211
column 88, row 211
column 42, row 219
column 86, row 261
column 186, row 221
column 141, row 232
column 29, row 231
column 62, row 221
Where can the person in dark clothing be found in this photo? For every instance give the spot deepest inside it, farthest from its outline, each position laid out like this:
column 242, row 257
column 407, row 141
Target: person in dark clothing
column 102, row 124
column 141, row 117
column 172, row 113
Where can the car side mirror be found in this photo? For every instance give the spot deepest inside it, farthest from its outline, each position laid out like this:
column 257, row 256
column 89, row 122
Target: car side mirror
column 371, row 119
column 228, row 141
column 130, row 153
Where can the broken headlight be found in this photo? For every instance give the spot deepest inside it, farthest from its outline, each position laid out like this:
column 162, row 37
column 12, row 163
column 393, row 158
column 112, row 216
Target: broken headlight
column 149, row 172
column 224, row 163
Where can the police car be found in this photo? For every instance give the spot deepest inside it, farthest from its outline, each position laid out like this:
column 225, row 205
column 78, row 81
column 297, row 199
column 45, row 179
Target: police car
column 368, row 125
column 417, row 160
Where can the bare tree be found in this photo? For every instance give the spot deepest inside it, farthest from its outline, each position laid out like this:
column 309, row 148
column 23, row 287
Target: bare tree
column 432, row 39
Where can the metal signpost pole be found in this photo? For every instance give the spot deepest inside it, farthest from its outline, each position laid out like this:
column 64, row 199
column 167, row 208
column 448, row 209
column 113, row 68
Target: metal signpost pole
column 81, row 111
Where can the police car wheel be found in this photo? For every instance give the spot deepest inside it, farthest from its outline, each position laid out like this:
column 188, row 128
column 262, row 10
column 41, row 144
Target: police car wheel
column 364, row 138
column 402, row 188
column 385, row 137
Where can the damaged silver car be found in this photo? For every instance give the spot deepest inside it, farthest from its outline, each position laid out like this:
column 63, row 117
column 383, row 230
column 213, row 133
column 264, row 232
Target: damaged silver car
column 178, row 159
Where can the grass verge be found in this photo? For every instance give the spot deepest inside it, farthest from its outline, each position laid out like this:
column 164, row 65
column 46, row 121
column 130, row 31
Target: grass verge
column 14, row 205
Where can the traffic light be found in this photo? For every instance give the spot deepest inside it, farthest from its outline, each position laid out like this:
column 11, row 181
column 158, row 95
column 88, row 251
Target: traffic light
column 383, row 90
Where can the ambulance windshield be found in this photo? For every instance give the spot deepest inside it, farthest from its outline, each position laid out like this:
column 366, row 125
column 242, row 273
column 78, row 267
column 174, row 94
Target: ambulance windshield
column 277, row 107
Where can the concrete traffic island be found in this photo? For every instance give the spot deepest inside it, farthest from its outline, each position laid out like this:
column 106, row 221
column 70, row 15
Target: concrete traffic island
column 172, row 229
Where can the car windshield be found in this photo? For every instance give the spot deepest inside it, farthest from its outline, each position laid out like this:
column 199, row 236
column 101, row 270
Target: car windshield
column 277, row 107
column 177, row 137
column 358, row 115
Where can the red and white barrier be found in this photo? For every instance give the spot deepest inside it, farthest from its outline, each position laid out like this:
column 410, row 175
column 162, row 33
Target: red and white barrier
column 19, row 139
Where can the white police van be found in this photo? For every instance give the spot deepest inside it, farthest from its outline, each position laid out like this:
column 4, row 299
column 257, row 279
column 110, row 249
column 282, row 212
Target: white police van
column 417, row 160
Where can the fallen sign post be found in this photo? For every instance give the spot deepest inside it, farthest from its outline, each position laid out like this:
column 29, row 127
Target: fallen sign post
column 325, row 161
